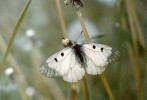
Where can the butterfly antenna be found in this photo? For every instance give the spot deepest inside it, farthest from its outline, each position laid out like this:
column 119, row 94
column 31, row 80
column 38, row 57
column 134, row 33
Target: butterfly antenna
column 79, row 36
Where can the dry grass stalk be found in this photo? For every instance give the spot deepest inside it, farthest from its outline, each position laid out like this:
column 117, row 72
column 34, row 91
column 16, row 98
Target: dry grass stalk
column 65, row 36
column 107, row 87
column 73, row 94
column 18, row 72
column 136, row 22
column 43, row 84
column 62, row 22
column 135, row 46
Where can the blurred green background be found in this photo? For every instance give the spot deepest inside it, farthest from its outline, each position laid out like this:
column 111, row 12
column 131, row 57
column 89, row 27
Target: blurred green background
column 110, row 22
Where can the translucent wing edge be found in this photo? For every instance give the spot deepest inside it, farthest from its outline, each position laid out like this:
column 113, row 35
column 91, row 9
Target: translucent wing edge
column 53, row 71
column 48, row 72
column 114, row 57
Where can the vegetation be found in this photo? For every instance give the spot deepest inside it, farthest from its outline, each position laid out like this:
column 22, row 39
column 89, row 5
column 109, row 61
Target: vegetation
column 30, row 34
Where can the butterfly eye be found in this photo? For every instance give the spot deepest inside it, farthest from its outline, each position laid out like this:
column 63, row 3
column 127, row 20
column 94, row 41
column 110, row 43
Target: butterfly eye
column 56, row 59
column 102, row 49
column 94, row 46
column 62, row 54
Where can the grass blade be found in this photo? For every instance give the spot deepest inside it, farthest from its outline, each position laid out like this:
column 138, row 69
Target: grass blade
column 13, row 37
column 136, row 22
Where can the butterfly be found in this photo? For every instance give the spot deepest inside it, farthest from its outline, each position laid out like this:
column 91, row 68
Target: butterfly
column 75, row 59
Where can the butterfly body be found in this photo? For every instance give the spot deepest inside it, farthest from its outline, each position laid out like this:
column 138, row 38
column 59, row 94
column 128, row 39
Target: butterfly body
column 72, row 61
column 80, row 55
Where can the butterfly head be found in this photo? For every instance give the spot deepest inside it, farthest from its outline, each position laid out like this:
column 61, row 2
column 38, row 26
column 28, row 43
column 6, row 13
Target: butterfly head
column 66, row 42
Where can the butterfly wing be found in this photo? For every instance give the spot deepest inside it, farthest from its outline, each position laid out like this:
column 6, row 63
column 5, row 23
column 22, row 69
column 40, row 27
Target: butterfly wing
column 99, row 56
column 76, row 71
column 58, row 64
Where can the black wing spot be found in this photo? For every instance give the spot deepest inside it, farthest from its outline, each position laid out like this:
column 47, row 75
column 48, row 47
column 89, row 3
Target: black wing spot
column 62, row 54
column 94, row 46
column 102, row 49
column 56, row 59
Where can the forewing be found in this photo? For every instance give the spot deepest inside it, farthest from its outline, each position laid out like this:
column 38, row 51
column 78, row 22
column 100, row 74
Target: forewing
column 76, row 71
column 58, row 64
column 99, row 56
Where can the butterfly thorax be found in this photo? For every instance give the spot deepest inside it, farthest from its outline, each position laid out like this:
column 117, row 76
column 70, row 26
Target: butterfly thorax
column 80, row 55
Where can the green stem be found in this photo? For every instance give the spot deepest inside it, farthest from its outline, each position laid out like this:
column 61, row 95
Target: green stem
column 18, row 72
column 136, row 22
column 86, row 88
column 107, row 87
column 134, row 39
column 13, row 37
column 82, row 89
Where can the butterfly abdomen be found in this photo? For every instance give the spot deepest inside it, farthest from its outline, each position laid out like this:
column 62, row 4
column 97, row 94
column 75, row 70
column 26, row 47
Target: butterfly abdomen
column 80, row 55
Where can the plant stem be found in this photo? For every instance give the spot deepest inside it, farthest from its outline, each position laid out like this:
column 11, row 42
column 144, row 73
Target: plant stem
column 136, row 22
column 63, row 26
column 62, row 22
column 11, row 58
column 73, row 94
column 82, row 89
column 132, row 28
column 131, row 56
column 88, row 40
column 13, row 62
column 23, row 94
column 108, row 89
column 86, row 88
column 66, row 36
column 13, row 37
column 45, row 86
column 83, row 25
column 41, row 85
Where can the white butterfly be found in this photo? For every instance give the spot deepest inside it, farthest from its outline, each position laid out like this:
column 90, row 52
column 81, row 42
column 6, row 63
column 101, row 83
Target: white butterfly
column 72, row 61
